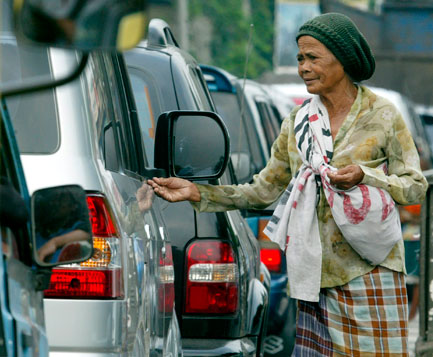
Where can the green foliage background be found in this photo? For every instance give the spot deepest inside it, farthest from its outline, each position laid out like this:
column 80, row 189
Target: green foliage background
column 231, row 32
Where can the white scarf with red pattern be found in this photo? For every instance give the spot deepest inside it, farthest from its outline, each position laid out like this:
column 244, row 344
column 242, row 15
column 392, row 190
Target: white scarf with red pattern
column 365, row 215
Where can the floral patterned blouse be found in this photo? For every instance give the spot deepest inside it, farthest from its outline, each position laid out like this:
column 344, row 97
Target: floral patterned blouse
column 372, row 133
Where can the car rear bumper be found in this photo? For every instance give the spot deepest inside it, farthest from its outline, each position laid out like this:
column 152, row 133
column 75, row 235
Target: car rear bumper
column 204, row 347
column 89, row 326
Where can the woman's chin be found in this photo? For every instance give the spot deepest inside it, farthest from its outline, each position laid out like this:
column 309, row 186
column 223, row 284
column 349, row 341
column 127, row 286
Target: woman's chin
column 311, row 89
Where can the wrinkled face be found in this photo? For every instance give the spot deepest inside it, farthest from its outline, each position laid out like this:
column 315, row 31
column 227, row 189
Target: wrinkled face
column 321, row 71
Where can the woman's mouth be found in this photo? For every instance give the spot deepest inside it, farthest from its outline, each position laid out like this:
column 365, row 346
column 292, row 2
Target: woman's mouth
column 308, row 80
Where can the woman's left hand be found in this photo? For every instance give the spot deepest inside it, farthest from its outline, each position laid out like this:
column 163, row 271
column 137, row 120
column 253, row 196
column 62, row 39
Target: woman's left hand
column 347, row 177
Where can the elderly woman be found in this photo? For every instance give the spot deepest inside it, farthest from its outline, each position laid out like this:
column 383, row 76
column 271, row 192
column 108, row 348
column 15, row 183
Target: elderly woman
column 341, row 159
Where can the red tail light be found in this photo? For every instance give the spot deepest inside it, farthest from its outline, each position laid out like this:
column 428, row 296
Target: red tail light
column 101, row 275
column 100, row 218
column 212, row 278
column 68, row 283
column 166, row 280
column 272, row 259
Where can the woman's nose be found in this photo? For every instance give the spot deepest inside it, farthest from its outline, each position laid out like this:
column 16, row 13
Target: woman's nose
column 302, row 69
column 304, row 66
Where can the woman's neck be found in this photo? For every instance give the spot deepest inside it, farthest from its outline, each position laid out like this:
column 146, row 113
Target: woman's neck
column 340, row 100
column 338, row 104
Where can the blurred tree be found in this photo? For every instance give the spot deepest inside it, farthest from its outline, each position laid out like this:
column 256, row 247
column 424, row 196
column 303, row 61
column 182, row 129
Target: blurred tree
column 226, row 23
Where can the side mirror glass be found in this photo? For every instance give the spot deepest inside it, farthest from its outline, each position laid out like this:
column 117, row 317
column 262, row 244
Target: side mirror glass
column 61, row 227
column 192, row 145
column 195, row 153
column 82, row 24
column 242, row 166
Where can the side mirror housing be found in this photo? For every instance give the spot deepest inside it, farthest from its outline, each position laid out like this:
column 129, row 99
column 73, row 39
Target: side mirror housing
column 193, row 145
column 61, row 226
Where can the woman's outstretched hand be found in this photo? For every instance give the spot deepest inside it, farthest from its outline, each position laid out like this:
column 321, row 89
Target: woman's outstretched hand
column 175, row 189
column 346, row 177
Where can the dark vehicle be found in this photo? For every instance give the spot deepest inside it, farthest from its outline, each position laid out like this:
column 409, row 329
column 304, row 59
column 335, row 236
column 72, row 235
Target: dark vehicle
column 220, row 284
column 238, row 113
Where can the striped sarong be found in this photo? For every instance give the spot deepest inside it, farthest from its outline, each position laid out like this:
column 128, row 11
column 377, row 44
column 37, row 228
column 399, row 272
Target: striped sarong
column 366, row 317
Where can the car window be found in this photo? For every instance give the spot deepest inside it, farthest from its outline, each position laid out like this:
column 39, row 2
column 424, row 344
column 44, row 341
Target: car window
column 199, row 85
column 120, row 113
column 428, row 126
column 100, row 110
column 276, row 117
column 243, row 137
column 228, row 108
column 266, row 120
column 34, row 116
column 146, row 117
column 253, row 137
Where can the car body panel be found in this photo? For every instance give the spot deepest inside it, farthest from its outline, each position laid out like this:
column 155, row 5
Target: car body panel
column 89, row 338
column 202, row 335
column 131, row 324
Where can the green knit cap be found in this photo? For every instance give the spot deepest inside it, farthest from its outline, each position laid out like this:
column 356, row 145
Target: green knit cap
column 341, row 36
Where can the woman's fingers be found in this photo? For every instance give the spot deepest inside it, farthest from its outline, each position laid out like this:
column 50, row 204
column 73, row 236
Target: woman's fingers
column 157, row 181
column 346, row 177
column 175, row 189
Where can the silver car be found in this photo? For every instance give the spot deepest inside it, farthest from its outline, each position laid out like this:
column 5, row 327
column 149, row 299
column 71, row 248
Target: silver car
column 121, row 301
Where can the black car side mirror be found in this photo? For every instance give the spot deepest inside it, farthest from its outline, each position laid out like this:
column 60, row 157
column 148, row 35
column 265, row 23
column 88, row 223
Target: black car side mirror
column 193, row 145
column 61, row 226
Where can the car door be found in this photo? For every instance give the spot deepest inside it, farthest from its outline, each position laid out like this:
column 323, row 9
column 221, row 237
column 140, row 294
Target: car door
column 123, row 157
column 158, row 270
column 189, row 92
column 23, row 326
